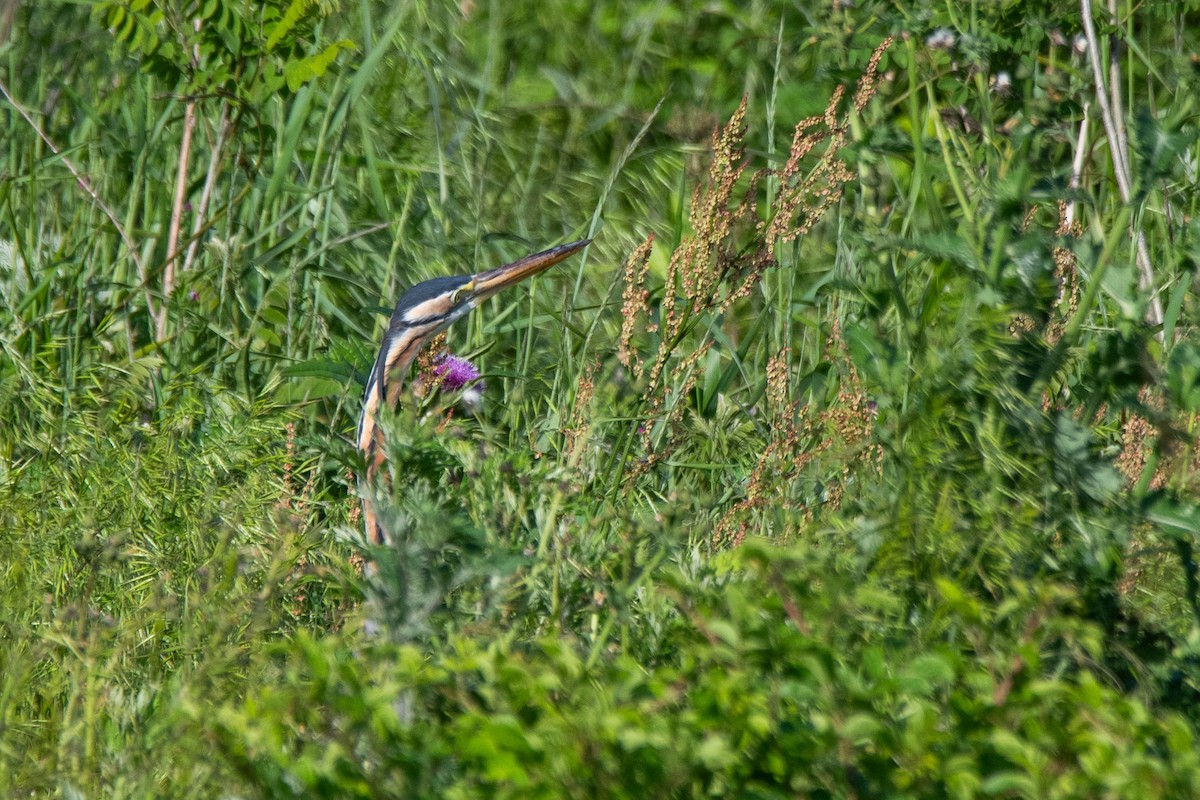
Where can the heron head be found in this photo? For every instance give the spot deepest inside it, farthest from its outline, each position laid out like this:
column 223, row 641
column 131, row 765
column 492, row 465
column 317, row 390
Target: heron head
column 431, row 306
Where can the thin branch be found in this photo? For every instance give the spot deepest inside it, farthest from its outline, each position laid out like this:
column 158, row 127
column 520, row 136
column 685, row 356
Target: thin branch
column 1106, row 113
column 1118, row 146
column 1114, row 93
column 185, row 148
column 185, row 155
column 155, row 314
column 1077, row 166
column 214, row 164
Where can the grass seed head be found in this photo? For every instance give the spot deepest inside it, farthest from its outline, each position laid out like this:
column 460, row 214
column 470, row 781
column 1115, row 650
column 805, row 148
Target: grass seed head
column 729, row 250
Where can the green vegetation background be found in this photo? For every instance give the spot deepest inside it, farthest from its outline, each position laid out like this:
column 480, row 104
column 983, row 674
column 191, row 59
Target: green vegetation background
column 872, row 476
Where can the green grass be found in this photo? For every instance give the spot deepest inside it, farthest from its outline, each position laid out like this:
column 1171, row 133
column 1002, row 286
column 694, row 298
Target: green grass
column 911, row 516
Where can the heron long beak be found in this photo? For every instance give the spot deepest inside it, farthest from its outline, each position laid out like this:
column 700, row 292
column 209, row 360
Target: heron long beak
column 485, row 284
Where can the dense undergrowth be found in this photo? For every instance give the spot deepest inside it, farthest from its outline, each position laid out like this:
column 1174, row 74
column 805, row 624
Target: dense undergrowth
column 856, row 458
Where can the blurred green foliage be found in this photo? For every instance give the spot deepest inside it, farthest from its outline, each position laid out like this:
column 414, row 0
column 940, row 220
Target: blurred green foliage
column 914, row 518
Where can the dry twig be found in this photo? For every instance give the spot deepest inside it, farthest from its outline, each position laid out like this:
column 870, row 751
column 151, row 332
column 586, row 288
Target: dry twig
column 156, row 315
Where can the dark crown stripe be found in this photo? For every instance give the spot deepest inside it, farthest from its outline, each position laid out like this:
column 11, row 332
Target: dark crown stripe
column 424, row 321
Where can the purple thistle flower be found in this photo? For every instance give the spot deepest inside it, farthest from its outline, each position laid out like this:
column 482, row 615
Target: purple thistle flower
column 455, row 372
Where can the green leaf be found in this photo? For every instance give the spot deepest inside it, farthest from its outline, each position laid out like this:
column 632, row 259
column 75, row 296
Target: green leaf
column 283, row 27
column 1183, row 376
column 860, row 728
column 946, row 247
column 300, row 72
column 930, row 669
column 715, row 753
column 1175, row 518
column 1015, row 784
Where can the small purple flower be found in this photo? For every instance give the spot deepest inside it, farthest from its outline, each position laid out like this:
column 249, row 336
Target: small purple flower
column 455, row 372
column 194, row 296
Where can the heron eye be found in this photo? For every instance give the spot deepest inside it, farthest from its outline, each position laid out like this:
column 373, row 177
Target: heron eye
column 455, row 297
